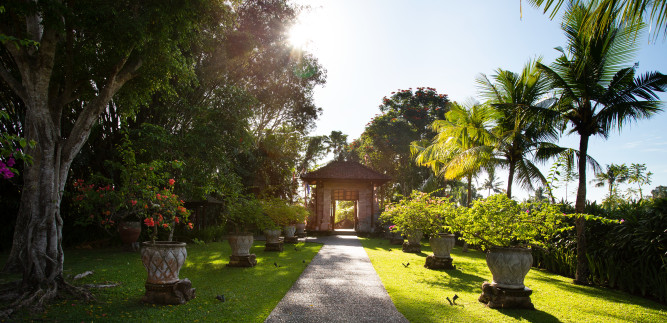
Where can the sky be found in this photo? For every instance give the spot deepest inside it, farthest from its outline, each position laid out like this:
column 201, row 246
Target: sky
column 371, row 48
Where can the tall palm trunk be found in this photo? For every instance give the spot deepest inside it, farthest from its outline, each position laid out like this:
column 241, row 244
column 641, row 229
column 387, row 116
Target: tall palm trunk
column 582, row 273
column 469, row 197
column 510, row 178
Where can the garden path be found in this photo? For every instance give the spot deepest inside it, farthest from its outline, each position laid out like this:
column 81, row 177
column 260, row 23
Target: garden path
column 339, row 285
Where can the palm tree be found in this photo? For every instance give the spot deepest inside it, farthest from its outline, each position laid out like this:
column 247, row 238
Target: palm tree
column 462, row 144
column 598, row 92
column 637, row 174
column 633, row 11
column 615, row 174
column 492, row 183
column 525, row 123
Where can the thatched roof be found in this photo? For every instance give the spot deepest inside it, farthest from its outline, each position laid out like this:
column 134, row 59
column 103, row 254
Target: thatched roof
column 345, row 170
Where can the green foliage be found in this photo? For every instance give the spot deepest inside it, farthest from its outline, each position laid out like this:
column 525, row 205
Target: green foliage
column 420, row 294
column 423, row 212
column 245, row 213
column 344, row 211
column 626, row 248
column 500, row 221
column 280, row 213
column 145, row 194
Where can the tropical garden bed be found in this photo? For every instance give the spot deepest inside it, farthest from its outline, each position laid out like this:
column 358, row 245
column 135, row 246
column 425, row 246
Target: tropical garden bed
column 421, row 294
column 250, row 294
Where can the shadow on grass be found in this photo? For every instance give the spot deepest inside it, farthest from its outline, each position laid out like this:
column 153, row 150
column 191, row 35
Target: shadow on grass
column 457, row 280
column 529, row 315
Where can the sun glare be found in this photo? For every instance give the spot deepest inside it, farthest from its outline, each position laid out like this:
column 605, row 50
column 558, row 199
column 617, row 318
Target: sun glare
column 299, row 36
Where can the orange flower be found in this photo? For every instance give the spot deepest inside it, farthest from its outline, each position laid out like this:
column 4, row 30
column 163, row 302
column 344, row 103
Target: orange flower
column 149, row 222
column 190, row 225
column 164, row 225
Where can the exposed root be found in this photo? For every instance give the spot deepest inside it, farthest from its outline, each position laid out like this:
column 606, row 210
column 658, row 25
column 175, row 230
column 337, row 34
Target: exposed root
column 36, row 297
column 107, row 285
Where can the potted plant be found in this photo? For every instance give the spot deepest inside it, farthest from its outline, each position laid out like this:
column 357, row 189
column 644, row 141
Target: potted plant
column 506, row 230
column 296, row 214
column 244, row 213
column 442, row 214
column 277, row 214
column 409, row 215
column 300, row 217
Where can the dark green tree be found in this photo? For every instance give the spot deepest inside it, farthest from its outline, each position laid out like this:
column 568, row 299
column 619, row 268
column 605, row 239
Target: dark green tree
column 87, row 52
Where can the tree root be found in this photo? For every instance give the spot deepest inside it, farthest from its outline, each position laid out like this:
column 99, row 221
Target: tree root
column 35, row 297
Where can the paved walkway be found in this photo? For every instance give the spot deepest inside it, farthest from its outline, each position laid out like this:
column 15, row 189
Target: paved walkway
column 339, row 285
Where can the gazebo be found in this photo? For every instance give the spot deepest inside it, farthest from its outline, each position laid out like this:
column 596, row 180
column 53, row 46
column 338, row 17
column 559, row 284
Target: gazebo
column 343, row 181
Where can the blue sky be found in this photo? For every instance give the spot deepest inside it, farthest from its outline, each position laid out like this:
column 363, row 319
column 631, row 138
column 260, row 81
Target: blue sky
column 373, row 47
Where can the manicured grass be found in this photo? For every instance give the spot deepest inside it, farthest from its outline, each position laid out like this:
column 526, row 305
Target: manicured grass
column 251, row 293
column 420, row 293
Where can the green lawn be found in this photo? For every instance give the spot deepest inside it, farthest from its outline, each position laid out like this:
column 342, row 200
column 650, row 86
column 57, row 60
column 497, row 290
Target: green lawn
column 251, row 293
column 420, row 294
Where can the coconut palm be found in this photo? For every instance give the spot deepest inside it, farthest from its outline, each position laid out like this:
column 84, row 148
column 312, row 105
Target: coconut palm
column 615, row 174
column 598, row 91
column 633, row 11
column 491, row 183
column 462, row 144
column 525, row 121
column 637, row 174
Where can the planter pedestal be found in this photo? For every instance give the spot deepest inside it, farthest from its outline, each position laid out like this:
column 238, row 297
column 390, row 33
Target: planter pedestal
column 242, row 261
column 176, row 293
column 292, row 240
column 498, row 297
column 433, row 262
column 396, row 241
column 272, row 246
column 412, row 248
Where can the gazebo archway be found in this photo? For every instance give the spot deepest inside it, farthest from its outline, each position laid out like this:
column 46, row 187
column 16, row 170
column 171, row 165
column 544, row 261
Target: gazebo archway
column 339, row 181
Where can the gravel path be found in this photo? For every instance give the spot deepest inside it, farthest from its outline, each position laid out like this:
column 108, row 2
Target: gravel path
column 339, row 285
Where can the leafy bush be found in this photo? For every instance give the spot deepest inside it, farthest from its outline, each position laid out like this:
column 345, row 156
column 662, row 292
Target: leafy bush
column 629, row 254
column 500, row 221
column 245, row 214
column 421, row 211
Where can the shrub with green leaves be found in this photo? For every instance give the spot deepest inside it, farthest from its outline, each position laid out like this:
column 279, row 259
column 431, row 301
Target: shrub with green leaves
column 502, row 222
column 421, row 211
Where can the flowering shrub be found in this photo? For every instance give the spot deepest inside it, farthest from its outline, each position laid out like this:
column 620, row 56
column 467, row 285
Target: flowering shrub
column 11, row 150
column 144, row 194
column 421, row 211
column 500, row 221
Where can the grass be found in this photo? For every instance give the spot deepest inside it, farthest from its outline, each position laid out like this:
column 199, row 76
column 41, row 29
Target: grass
column 251, row 293
column 420, row 294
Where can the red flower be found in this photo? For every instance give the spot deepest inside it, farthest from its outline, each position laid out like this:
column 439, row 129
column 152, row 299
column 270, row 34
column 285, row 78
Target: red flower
column 164, row 225
column 149, row 222
column 190, row 225
column 171, row 182
column 177, row 220
column 134, row 202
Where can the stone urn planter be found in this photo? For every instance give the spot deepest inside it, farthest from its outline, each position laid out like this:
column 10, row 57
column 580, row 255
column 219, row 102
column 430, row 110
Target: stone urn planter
column 273, row 242
column 301, row 230
column 290, row 231
column 442, row 245
column 129, row 232
column 163, row 261
column 413, row 245
column 509, row 267
column 241, row 256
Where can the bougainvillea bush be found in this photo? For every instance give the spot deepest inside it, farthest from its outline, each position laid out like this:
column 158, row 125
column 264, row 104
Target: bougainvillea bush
column 145, row 193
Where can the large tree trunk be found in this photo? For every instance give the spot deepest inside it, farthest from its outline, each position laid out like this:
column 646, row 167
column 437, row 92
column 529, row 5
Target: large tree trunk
column 582, row 273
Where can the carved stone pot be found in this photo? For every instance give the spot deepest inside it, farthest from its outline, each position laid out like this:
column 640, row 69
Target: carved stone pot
column 442, row 245
column 413, row 245
column 273, row 242
column 240, row 243
column 241, row 256
column 301, row 230
column 289, row 230
column 509, row 266
column 163, row 261
column 272, row 235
